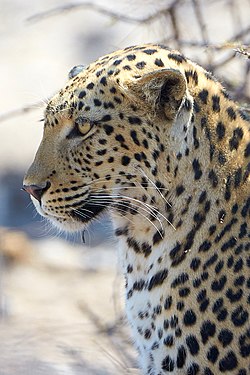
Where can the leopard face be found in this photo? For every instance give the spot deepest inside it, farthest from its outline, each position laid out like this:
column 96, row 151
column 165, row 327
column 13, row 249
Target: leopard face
column 100, row 138
column 154, row 139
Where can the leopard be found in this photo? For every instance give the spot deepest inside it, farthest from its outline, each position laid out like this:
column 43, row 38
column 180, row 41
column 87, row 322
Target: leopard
column 155, row 140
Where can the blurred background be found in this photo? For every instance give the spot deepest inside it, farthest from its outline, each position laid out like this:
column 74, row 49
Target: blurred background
column 61, row 305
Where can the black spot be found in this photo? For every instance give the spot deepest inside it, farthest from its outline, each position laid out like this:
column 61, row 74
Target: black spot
column 203, row 95
column 193, row 75
column 167, row 364
column 181, row 357
column 106, row 118
column 97, row 102
column 103, row 81
column 149, row 51
column 82, row 94
column 235, row 140
column 108, row 129
column 237, row 177
column 219, row 266
column 117, row 62
column 244, row 342
column 239, row 316
column 126, row 67
column 243, row 230
column 145, row 143
column 246, row 209
column 234, row 297
column 225, row 337
column 140, row 65
column 212, row 230
column 220, row 130
column 221, row 158
column 125, row 160
column 101, row 152
column 80, row 106
column 196, row 169
column 180, row 280
column 203, row 196
column 228, row 363
column 178, row 58
column 169, row 341
column 179, row 190
column 192, row 344
column 242, row 372
column 180, row 306
column 90, row 86
column 131, row 57
column 218, row 285
column 133, row 244
column 216, row 103
column 168, row 303
column 196, row 141
column 183, row 292
column 207, row 330
column 247, row 151
column 129, row 268
column 205, row 246
column 195, row 263
column 158, row 236
column 231, row 113
column 134, row 120
column 196, row 106
column 212, row 354
column 213, row 178
column 147, row 334
column 239, row 281
column 207, row 371
column 146, row 249
column 222, row 315
column 229, row 244
column 193, row 369
column 139, row 285
column 244, row 115
column 158, row 279
column 159, row 62
column 189, row 318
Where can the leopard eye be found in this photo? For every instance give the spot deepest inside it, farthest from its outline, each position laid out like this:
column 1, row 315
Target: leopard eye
column 85, row 127
column 81, row 128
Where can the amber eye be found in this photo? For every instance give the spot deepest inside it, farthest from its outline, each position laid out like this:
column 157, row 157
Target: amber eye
column 81, row 128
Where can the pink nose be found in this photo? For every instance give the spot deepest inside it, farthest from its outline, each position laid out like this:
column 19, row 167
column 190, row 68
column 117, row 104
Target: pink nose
column 37, row 191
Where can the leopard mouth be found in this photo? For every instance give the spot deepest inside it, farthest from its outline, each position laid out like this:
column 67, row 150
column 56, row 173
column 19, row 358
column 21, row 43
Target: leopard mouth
column 93, row 207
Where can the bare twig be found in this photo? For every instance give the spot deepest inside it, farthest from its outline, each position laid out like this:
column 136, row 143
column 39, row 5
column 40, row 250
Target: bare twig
column 170, row 12
column 97, row 8
column 203, row 29
column 21, row 111
column 243, row 51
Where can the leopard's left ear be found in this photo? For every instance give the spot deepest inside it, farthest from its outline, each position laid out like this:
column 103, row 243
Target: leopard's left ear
column 164, row 90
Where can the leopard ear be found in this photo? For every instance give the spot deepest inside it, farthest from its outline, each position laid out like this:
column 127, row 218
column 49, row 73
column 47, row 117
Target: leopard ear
column 164, row 90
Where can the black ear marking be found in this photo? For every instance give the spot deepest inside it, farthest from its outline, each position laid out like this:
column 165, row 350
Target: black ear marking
column 162, row 89
column 166, row 90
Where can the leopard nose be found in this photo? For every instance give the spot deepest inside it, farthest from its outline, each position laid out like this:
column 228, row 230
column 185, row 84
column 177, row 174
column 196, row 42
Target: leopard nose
column 37, row 191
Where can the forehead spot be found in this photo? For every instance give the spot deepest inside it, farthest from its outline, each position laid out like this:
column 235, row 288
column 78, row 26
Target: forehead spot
column 103, row 81
column 90, row 86
column 82, row 94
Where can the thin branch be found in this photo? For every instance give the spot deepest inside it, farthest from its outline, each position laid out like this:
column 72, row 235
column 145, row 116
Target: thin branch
column 243, row 51
column 88, row 5
column 21, row 111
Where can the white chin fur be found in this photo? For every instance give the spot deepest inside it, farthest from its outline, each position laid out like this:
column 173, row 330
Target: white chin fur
column 68, row 225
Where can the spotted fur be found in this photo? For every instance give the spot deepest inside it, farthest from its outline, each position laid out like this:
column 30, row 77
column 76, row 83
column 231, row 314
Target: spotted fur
column 152, row 137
